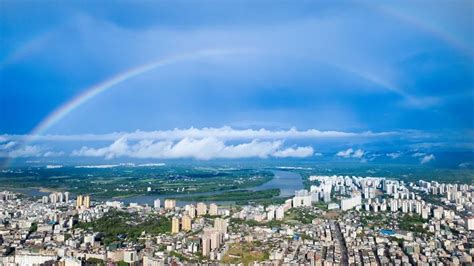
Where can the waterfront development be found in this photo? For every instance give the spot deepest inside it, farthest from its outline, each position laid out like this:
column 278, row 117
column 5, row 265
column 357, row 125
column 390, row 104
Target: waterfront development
column 236, row 133
column 327, row 220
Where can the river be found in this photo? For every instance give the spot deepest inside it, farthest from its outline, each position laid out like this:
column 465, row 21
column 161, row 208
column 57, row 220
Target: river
column 288, row 182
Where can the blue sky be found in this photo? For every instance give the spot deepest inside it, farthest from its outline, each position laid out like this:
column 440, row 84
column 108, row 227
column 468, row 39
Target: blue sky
column 338, row 66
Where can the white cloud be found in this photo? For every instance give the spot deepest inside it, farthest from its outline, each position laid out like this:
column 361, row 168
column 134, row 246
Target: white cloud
column 53, row 154
column 394, row 155
column 358, row 154
column 351, row 153
column 465, row 165
column 8, row 145
column 346, row 154
column 224, row 133
column 295, row 152
column 15, row 149
column 418, row 154
column 100, row 166
column 427, row 159
column 24, row 151
column 201, row 149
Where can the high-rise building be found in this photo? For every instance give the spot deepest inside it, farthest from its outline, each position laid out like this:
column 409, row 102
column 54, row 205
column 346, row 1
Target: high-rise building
column 45, row 199
column 220, row 225
column 186, row 222
column 60, row 197
column 201, row 209
column 192, row 211
column 170, row 204
column 469, row 223
column 405, row 206
column 83, row 202
column 213, row 209
column 352, row 202
column 270, row 214
column 302, row 198
column 393, row 205
column 206, row 245
column 53, row 198
column 211, row 240
column 279, row 213
column 87, row 202
column 425, row 212
column 157, row 204
column 79, row 201
column 438, row 213
column 327, row 196
column 419, row 207
column 175, row 225
column 66, row 196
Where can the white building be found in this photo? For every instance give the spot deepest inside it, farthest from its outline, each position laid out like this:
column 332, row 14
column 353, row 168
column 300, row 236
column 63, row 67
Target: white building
column 157, row 204
column 347, row 204
column 302, row 199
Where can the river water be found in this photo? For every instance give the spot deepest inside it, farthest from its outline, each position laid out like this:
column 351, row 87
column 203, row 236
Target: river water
column 287, row 182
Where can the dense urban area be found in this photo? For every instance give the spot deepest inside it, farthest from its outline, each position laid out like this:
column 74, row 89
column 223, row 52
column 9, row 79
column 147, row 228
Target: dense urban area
column 336, row 220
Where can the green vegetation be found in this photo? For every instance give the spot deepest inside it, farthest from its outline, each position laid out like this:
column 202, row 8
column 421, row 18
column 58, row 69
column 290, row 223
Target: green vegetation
column 413, row 223
column 300, row 215
column 263, row 201
column 245, row 253
column 33, row 228
column 271, row 224
column 321, row 205
column 117, row 226
column 179, row 256
column 126, row 181
column 372, row 221
column 95, row 261
column 291, row 216
column 236, row 195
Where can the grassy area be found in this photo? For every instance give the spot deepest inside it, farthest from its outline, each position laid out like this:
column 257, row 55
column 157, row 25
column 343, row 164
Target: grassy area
column 117, row 226
column 413, row 223
column 244, row 253
column 274, row 223
column 300, row 215
column 265, row 202
column 321, row 205
column 133, row 181
column 374, row 220
column 95, row 261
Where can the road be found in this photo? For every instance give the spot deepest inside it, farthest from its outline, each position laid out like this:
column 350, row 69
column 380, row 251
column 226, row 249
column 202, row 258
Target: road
column 342, row 244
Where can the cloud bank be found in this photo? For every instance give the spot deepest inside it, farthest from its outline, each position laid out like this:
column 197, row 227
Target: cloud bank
column 351, row 153
column 394, row 155
column 14, row 149
column 427, row 158
column 225, row 133
column 200, row 149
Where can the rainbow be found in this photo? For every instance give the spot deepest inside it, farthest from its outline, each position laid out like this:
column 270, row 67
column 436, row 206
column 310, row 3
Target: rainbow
column 91, row 92
column 428, row 28
column 66, row 108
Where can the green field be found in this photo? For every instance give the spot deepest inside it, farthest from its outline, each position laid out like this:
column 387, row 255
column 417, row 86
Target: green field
column 117, row 226
column 134, row 181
